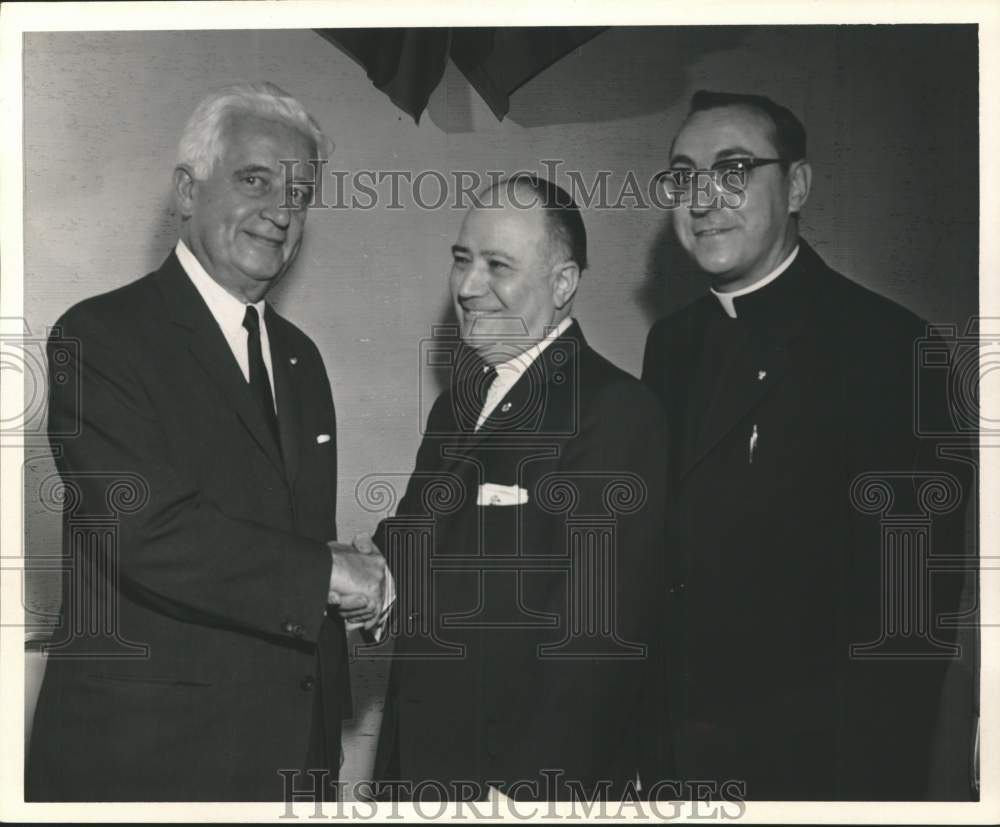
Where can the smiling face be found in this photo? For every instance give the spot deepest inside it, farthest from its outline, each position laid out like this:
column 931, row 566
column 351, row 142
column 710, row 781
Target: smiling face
column 243, row 223
column 739, row 245
column 509, row 282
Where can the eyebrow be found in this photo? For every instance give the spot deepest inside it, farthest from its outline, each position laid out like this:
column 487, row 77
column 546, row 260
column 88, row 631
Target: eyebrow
column 458, row 248
column 735, row 152
column 728, row 152
column 498, row 254
column 253, row 168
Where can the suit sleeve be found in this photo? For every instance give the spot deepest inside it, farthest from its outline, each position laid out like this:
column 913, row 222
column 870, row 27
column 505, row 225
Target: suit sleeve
column 424, row 472
column 178, row 550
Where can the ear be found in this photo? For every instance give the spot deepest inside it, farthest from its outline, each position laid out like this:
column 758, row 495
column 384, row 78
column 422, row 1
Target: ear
column 799, row 182
column 566, row 278
column 184, row 183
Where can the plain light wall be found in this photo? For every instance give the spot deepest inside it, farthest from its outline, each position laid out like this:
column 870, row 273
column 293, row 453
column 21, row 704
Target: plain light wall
column 892, row 119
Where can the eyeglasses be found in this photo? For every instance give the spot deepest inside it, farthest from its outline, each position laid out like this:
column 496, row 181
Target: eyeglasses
column 729, row 175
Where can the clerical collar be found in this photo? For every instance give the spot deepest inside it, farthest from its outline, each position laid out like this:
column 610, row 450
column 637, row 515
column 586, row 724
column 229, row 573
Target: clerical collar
column 727, row 300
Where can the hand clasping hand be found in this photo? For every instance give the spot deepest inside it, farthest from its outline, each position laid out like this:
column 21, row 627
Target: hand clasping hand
column 357, row 581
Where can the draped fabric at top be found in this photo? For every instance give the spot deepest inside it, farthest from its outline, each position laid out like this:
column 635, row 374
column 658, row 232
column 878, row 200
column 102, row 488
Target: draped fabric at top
column 408, row 64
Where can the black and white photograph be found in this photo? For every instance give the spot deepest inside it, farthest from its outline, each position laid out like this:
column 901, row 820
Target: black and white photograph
column 568, row 414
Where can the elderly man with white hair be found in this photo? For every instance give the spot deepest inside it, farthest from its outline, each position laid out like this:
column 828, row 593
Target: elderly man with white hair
column 196, row 659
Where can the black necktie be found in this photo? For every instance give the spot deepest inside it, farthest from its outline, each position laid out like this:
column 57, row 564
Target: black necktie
column 483, row 381
column 481, row 390
column 260, row 387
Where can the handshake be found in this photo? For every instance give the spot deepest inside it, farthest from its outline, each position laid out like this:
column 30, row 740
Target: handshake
column 358, row 583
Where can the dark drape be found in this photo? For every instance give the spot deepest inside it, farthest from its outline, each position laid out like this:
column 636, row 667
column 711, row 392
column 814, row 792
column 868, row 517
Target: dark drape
column 408, row 64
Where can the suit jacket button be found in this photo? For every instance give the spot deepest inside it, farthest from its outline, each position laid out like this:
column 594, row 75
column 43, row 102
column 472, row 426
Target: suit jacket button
column 308, row 682
column 298, row 630
column 288, row 627
column 676, row 587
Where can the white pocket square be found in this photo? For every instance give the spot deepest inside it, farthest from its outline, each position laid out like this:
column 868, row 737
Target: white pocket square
column 321, row 438
column 492, row 494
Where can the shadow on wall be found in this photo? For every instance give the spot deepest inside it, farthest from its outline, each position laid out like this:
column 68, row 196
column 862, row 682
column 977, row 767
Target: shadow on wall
column 163, row 235
column 672, row 280
column 440, row 375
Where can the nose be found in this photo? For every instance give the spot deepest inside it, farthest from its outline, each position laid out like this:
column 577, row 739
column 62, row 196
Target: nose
column 277, row 212
column 472, row 282
column 706, row 195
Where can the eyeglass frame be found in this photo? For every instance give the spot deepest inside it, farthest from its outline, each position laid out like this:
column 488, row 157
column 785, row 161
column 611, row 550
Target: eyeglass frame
column 715, row 173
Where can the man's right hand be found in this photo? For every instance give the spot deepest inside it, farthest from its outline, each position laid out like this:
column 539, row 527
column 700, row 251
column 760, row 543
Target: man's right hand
column 357, row 576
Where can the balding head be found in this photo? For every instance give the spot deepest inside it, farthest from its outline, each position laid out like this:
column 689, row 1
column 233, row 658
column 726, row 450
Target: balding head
column 515, row 271
column 568, row 236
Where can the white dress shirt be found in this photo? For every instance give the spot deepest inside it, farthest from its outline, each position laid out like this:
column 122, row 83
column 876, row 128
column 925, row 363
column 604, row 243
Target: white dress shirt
column 228, row 312
column 726, row 299
column 510, row 371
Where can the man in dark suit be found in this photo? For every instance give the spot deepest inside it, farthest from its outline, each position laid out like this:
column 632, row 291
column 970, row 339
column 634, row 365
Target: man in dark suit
column 521, row 650
column 782, row 387
column 196, row 658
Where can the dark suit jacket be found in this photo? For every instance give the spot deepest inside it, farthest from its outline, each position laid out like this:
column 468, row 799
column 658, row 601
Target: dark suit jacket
column 585, row 441
column 198, row 547
column 782, row 571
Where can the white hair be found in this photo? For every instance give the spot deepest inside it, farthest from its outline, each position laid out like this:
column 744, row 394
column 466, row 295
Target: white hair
column 201, row 144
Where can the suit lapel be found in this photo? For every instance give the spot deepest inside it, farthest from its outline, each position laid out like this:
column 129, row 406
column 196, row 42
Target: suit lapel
column 532, row 404
column 453, row 426
column 519, row 407
column 186, row 309
column 542, row 401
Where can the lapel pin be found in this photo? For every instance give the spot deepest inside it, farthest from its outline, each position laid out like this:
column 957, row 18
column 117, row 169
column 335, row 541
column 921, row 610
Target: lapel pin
column 760, row 375
column 505, row 407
